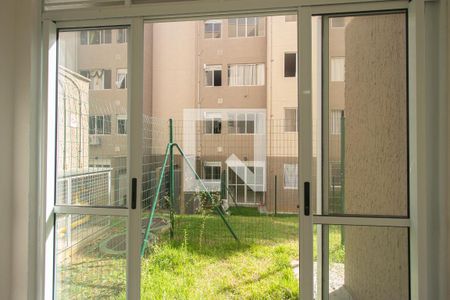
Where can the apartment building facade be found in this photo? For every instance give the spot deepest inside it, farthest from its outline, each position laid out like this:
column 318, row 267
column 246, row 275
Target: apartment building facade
column 231, row 70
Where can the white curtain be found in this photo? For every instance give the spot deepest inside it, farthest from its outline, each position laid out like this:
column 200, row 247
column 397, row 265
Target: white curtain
column 246, row 74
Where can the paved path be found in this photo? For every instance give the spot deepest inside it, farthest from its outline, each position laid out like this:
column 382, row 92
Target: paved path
column 336, row 278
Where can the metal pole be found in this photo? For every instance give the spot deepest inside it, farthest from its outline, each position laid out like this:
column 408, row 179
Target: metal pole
column 207, row 193
column 342, row 172
column 172, row 180
column 155, row 200
column 276, row 195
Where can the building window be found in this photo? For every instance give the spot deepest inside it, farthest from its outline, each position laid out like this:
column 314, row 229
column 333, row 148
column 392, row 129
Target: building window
column 336, row 117
column 100, row 79
column 213, row 29
column 212, row 123
column 122, row 125
column 100, row 124
column 246, row 27
column 242, row 123
column 290, row 119
column 212, row 170
column 290, row 18
column 337, row 22
column 121, row 82
column 337, row 69
column 122, row 36
column 246, row 74
column 290, row 64
column 95, row 37
column 335, row 175
column 290, row 176
column 213, row 75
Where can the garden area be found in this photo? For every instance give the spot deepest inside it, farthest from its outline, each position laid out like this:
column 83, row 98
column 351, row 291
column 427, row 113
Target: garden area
column 202, row 261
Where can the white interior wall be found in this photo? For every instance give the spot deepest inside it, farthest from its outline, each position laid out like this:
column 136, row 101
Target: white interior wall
column 19, row 61
column 6, row 148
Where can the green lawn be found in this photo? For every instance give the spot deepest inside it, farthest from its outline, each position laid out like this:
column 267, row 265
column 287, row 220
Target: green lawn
column 203, row 261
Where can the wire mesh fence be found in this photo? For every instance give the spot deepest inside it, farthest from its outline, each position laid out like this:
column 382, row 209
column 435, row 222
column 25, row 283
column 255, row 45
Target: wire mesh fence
column 266, row 214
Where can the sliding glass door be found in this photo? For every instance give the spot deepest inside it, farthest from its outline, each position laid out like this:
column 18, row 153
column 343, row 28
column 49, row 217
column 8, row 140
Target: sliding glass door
column 354, row 154
column 94, row 197
column 324, row 147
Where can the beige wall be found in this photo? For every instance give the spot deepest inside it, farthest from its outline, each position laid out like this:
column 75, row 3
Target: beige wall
column 376, row 162
column 281, row 91
column 225, row 51
column 174, row 68
column 112, row 101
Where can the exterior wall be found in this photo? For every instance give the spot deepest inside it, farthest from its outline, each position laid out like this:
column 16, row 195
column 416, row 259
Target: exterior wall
column 112, row 101
column 225, row 51
column 281, row 91
column 376, row 139
column 174, row 71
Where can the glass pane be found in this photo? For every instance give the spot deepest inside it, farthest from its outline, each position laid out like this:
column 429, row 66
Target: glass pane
column 91, row 153
column 364, row 262
column 367, row 171
column 200, row 248
column 90, row 260
column 241, row 27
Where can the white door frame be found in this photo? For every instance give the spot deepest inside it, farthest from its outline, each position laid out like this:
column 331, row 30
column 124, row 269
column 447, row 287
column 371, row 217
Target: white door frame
column 134, row 159
column 417, row 250
column 134, row 15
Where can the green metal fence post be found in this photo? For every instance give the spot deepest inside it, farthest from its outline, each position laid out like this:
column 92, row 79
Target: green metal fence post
column 342, row 172
column 155, row 201
column 172, row 180
column 218, row 210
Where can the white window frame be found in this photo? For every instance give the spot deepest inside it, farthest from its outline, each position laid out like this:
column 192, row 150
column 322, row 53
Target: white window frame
column 124, row 33
column 214, row 24
column 122, row 118
column 96, row 129
column 419, row 248
column 102, row 37
column 121, row 75
column 285, row 125
column 233, row 118
column 260, row 78
column 212, row 165
column 94, row 73
column 257, row 28
column 212, row 117
column 335, row 121
column 212, row 69
column 337, row 75
column 290, row 183
column 284, row 65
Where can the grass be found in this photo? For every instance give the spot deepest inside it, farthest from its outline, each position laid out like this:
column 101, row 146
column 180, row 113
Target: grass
column 203, row 261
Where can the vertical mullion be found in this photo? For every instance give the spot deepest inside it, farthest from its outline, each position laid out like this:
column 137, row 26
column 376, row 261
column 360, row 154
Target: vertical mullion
column 135, row 95
column 419, row 254
column 45, row 286
column 305, row 149
column 323, row 247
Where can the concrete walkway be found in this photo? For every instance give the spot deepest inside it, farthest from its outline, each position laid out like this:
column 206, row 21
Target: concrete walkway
column 336, row 280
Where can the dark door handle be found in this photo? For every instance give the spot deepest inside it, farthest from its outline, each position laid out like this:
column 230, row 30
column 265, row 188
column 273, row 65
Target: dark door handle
column 306, row 195
column 133, row 193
